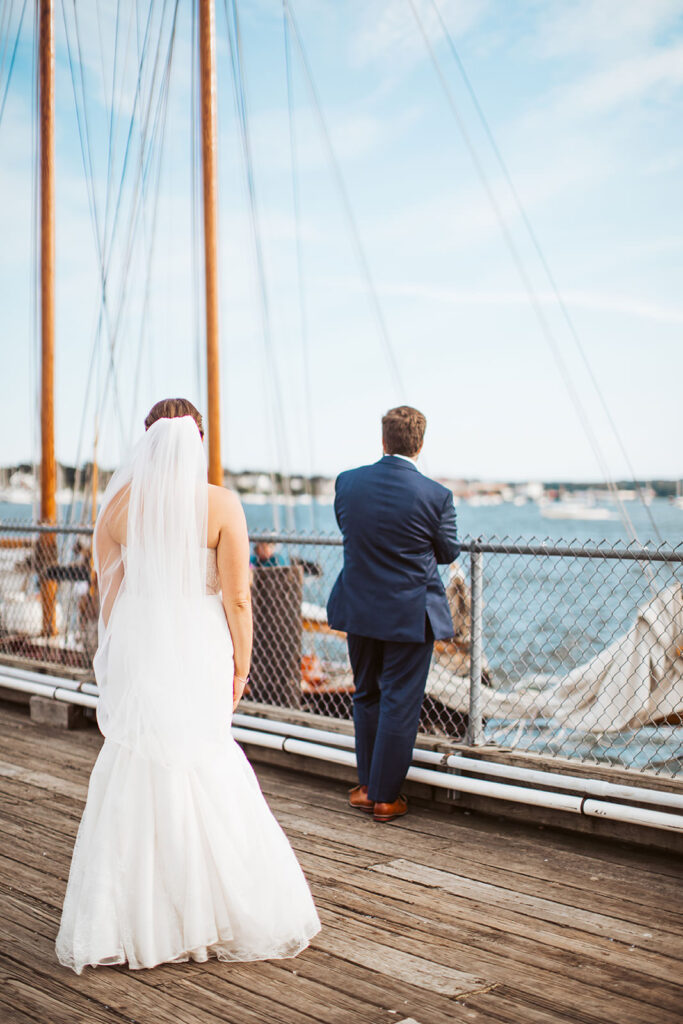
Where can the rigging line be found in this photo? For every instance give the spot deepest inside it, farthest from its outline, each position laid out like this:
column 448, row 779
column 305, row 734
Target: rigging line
column 303, row 319
column 524, row 277
column 87, row 167
column 108, row 100
column 160, row 126
column 346, row 203
column 239, row 85
column 110, row 141
column 138, row 189
column 12, row 60
column 140, row 186
column 194, row 207
column 7, row 13
column 568, row 318
column 274, row 411
column 118, row 203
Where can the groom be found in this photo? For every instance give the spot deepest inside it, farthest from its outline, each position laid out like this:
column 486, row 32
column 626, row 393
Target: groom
column 398, row 525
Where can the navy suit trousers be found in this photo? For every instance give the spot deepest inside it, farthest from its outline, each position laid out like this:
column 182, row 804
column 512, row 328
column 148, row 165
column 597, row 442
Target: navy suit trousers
column 390, row 679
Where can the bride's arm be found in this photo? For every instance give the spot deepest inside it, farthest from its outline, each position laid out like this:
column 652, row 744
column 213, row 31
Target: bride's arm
column 109, row 568
column 233, row 570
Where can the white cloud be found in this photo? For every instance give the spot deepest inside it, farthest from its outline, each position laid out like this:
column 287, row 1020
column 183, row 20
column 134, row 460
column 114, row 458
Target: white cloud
column 388, row 30
column 647, row 74
column 590, row 28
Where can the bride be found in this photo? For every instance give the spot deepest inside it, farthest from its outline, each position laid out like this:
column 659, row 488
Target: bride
column 177, row 856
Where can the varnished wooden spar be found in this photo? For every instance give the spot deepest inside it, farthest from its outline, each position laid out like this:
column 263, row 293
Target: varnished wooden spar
column 207, row 72
column 47, row 547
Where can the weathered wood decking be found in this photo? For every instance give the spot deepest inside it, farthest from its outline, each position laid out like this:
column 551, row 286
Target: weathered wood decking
column 437, row 918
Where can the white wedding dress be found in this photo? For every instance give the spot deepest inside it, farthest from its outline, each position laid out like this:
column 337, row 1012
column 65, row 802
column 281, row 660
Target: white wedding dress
column 178, row 856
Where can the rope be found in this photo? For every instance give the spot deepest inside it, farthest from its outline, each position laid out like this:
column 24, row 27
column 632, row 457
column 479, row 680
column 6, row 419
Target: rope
column 107, row 255
column 275, row 407
column 12, row 58
column 346, row 204
column 569, row 320
column 195, row 173
column 526, row 281
column 303, row 320
column 7, row 12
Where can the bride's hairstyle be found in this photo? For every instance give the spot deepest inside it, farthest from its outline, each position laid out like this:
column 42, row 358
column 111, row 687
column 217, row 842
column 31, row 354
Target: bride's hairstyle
column 169, row 408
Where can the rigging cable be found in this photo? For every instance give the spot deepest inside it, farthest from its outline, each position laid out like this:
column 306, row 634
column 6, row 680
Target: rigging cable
column 195, row 178
column 526, row 280
column 126, row 262
column 277, row 410
column 86, row 156
column 346, row 203
column 569, row 320
column 303, row 319
column 7, row 13
column 158, row 132
column 12, row 59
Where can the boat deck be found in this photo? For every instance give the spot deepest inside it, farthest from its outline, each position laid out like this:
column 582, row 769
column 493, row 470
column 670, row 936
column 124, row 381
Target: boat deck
column 441, row 917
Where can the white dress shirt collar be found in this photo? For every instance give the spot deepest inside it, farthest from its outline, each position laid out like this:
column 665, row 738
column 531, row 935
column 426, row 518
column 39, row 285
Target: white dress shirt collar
column 408, row 458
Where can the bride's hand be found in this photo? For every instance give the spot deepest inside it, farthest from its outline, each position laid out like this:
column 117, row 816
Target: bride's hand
column 239, row 682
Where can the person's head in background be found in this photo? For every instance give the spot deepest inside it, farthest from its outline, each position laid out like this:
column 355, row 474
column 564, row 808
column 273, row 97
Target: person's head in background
column 403, row 431
column 266, row 556
column 264, row 550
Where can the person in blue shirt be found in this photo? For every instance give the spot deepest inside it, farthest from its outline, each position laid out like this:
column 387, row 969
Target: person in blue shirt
column 398, row 526
column 265, row 556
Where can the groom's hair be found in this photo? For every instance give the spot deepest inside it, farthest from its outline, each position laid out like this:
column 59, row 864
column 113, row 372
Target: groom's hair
column 403, row 430
column 169, row 408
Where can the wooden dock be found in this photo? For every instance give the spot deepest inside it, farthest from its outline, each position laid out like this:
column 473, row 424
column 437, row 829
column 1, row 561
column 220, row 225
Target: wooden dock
column 435, row 919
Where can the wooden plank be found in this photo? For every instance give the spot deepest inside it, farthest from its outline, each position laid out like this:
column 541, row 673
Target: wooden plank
column 557, row 991
column 290, row 993
column 437, row 824
column 11, row 1015
column 639, row 889
column 514, row 953
column 496, row 924
column 377, row 952
column 380, row 993
column 636, row 883
column 655, row 939
column 115, row 989
column 364, row 836
column 25, row 988
column 43, row 780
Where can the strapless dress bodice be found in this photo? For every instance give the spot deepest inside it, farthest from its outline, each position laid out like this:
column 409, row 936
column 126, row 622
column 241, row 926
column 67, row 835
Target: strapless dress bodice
column 213, row 583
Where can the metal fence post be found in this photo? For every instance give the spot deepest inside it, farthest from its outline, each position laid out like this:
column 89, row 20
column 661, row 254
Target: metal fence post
column 475, row 735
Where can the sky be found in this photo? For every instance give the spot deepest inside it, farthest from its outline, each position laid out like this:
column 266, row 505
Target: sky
column 583, row 99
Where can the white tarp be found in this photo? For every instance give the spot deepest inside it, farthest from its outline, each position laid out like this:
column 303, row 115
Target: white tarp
column 637, row 680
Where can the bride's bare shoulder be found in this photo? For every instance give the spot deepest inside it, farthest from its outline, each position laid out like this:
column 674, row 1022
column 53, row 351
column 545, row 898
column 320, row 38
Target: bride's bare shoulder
column 225, row 508
column 115, row 516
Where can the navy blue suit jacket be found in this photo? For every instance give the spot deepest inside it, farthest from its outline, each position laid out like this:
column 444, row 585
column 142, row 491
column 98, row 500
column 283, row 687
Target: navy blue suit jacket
column 397, row 526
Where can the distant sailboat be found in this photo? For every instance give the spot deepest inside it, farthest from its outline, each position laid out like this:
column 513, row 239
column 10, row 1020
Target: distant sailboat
column 581, row 506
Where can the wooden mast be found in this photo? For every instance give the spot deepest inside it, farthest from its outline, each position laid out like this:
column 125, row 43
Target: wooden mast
column 207, row 74
column 47, row 547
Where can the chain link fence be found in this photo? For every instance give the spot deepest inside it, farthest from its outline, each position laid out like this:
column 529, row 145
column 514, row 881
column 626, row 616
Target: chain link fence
column 567, row 650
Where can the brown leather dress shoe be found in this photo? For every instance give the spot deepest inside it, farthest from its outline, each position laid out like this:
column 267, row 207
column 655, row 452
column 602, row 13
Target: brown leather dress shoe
column 387, row 812
column 358, row 798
